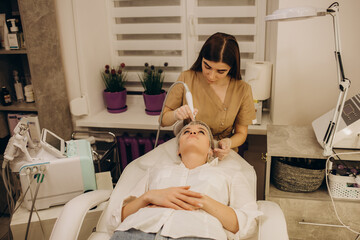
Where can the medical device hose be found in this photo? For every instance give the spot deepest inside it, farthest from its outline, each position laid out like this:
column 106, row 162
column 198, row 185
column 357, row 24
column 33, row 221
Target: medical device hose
column 40, row 178
column 6, row 180
column 189, row 100
column 41, row 225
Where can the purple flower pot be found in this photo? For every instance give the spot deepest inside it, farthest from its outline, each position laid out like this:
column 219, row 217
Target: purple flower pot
column 115, row 101
column 154, row 103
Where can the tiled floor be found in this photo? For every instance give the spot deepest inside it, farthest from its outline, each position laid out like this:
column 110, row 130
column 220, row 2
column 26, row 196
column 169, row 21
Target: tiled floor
column 4, row 228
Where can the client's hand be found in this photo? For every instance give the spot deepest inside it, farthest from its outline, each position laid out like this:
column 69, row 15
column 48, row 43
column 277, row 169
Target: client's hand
column 184, row 112
column 224, row 148
column 179, row 198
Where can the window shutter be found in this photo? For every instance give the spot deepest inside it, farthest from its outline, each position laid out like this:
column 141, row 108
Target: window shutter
column 149, row 31
column 243, row 19
column 158, row 31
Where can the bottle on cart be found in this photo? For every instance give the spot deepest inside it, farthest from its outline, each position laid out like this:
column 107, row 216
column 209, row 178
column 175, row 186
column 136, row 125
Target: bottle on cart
column 18, row 87
column 5, row 97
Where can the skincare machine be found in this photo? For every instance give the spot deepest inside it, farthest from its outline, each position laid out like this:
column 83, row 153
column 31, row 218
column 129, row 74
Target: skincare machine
column 348, row 133
column 56, row 172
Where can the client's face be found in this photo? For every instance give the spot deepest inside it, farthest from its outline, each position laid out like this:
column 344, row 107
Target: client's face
column 194, row 138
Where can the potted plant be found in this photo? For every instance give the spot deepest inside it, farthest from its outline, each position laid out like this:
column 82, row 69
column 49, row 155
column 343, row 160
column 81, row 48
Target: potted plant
column 152, row 80
column 115, row 91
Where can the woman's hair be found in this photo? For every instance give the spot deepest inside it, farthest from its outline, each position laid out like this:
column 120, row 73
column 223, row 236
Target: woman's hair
column 220, row 47
column 211, row 138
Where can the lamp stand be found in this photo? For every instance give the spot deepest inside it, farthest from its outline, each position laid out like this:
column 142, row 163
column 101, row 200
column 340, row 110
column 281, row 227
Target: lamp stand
column 344, row 84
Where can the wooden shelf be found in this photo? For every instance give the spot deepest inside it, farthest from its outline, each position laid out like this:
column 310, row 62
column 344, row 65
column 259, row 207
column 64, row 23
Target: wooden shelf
column 297, row 142
column 20, row 107
column 15, row 51
column 320, row 194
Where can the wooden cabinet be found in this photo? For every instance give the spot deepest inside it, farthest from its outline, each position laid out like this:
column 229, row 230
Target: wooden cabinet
column 255, row 156
column 15, row 60
column 308, row 215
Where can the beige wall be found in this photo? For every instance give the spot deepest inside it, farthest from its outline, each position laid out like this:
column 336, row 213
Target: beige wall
column 304, row 77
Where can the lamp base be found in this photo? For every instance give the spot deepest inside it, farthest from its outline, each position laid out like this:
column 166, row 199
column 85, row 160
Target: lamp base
column 327, row 151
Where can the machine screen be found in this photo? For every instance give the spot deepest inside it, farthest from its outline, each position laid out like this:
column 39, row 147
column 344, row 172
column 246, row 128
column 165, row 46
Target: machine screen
column 53, row 141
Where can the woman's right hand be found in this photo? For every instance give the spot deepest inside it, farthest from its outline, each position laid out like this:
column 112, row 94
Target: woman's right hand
column 184, row 112
column 178, row 198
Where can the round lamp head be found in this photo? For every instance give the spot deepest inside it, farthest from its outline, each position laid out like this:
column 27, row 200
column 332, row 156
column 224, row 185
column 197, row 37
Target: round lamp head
column 295, row 13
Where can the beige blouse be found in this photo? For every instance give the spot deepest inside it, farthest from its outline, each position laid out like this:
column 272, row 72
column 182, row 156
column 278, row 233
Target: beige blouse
column 238, row 107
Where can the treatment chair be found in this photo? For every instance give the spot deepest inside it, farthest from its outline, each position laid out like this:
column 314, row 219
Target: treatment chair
column 271, row 225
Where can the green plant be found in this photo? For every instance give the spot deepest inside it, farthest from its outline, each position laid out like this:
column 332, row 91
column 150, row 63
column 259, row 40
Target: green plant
column 114, row 79
column 152, row 79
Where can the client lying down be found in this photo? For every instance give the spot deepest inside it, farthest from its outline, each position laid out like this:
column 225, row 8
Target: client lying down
column 193, row 200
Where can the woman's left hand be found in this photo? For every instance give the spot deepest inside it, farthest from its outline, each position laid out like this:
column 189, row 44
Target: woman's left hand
column 224, row 148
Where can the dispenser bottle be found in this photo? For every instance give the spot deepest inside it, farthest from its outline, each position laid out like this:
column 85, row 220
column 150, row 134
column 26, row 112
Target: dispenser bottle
column 5, row 97
column 18, row 87
column 14, row 37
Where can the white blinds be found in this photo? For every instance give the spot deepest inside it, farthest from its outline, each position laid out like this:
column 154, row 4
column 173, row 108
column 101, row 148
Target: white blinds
column 158, row 31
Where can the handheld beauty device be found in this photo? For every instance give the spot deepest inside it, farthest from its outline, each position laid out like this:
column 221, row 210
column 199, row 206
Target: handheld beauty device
column 189, row 100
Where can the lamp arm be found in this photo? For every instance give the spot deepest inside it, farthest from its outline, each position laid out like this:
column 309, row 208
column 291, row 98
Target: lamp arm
column 333, row 10
column 344, row 84
column 334, row 124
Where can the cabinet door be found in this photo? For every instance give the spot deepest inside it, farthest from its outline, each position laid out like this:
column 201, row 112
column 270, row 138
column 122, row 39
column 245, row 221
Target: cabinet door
column 255, row 156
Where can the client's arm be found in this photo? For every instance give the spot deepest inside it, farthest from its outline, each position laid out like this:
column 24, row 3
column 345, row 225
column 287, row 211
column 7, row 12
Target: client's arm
column 225, row 214
column 239, row 216
column 179, row 198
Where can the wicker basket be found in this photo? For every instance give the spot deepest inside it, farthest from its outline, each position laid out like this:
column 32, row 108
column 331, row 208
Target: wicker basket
column 295, row 179
column 339, row 187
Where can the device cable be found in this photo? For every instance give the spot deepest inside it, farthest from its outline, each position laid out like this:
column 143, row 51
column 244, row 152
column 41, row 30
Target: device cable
column 22, row 198
column 18, row 205
column 40, row 178
column 6, row 181
column 328, row 188
column 10, row 188
column 37, row 213
column 9, row 197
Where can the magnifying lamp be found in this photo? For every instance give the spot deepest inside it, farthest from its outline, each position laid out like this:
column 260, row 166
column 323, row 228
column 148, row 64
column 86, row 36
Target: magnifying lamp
column 344, row 83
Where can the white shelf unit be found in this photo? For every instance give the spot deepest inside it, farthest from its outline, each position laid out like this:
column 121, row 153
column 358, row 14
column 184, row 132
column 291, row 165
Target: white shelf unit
column 136, row 118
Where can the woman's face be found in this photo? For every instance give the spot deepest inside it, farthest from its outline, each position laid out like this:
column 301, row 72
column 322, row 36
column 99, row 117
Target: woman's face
column 194, row 137
column 214, row 71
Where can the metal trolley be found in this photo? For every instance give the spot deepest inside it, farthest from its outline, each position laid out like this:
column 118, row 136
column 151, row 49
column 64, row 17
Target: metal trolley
column 104, row 150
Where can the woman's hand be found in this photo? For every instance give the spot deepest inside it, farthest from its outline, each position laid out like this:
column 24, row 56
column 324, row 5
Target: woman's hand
column 224, row 148
column 184, row 112
column 179, row 198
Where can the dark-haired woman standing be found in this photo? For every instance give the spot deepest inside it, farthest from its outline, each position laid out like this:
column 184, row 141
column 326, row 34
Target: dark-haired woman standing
column 221, row 99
